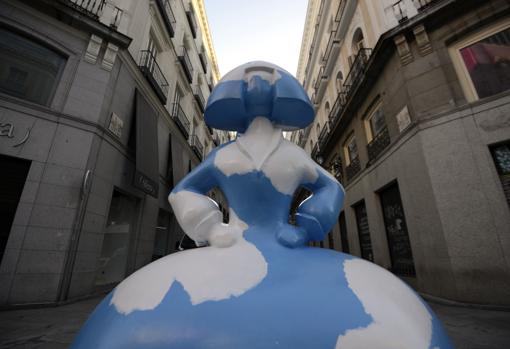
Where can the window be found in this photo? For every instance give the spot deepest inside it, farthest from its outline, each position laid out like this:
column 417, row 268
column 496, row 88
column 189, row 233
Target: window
column 327, row 109
column 501, row 156
column 358, row 41
column 365, row 240
column 350, row 149
column 339, row 81
column 28, row 69
column 375, row 123
column 483, row 62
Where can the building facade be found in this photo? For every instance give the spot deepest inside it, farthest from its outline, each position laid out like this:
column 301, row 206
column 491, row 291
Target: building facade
column 413, row 105
column 101, row 108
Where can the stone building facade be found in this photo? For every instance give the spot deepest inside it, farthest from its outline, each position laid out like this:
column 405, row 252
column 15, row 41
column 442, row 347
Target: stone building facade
column 101, row 108
column 413, row 117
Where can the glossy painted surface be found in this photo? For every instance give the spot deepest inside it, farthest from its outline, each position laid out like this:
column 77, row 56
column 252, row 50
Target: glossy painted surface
column 258, row 285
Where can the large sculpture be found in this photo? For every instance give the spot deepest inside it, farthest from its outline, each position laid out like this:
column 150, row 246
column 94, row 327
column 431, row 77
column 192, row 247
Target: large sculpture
column 258, row 284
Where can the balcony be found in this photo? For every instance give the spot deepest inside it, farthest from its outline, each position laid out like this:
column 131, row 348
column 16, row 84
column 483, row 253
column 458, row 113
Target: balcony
column 400, row 11
column 338, row 107
column 332, row 45
column 323, row 136
column 92, row 8
column 192, row 23
column 186, row 64
column 150, row 69
column 196, row 146
column 357, row 72
column 315, row 152
column 336, row 168
column 203, row 61
column 320, row 76
column 199, row 97
column 352, row 169
column 423, row 4
column 180, row 119
column 378, row 144
column 168, row 16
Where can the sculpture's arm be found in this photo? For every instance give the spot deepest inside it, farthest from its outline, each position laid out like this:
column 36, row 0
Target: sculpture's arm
column 318, row 213
column 197, row 214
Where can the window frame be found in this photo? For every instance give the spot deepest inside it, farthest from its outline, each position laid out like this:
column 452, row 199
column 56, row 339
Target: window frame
column 367, row 121
column 347, row 154
column 465, row 80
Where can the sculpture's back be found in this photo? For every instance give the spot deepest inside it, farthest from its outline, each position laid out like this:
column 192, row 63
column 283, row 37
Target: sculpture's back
column 258, row 285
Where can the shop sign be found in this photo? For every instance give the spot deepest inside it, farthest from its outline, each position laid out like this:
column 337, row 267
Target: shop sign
column 7, row 130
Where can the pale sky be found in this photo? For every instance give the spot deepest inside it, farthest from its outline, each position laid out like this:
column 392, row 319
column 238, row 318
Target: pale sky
column 249, row 30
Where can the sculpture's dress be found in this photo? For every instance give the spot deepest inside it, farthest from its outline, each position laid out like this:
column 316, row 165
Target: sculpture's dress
column 257, row 292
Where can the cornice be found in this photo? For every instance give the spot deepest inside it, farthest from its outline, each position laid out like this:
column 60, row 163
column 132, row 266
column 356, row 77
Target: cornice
column 206, row 36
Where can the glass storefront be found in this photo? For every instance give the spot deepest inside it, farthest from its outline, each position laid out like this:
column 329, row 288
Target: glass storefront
column 119, row 226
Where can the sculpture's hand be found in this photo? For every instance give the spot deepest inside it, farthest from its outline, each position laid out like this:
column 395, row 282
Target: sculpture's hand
column 224, row 235
column 311, row 225
column 291, row 236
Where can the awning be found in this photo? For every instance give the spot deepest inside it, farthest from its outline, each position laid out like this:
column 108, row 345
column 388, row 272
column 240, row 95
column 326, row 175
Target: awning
column 147, row 170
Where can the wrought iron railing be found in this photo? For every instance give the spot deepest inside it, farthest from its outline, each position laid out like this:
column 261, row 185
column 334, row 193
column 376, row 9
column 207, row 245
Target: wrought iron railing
column 180, row 119
column 337, row 109
column 93, row 8
column 323, row 137
column 340, row 11
column 378, row 144
column 336, row 169
column 320, row 76
column 352, row 169
column 357, row 72
column 315, row 152
column 196, row 146
column 329, row 46
column 168, row 15
column 186, row 64
column 422, row 4
column 400, row 11
column 152, row 72
column 199, row 97
column 192, row 23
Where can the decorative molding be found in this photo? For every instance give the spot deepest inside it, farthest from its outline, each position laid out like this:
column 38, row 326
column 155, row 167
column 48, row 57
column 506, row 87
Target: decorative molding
column 93, row 49
column 403, row 49
column 422, row 39
column 109, row 56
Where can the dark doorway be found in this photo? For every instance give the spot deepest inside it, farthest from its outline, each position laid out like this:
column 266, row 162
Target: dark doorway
column 396, row 230
column 13, row 174
column 343, row 233
column 364, row 232
column 163, row 242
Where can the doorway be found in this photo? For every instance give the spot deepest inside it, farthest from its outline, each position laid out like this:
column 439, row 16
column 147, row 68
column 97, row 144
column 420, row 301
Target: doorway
column 13, row 175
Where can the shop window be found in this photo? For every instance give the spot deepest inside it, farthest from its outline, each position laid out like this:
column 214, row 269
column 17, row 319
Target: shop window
column 28, row 69
column 483, row 62
column 501, row 155
column 350, row 149
column 120, row 225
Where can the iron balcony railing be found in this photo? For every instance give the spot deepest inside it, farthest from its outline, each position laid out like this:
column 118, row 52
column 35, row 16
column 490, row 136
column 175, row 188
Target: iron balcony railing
column 168, row 15
column 196, row 146
column 192, row 23
column 92, row 8
column 378, row 144
column 180, row 119
column 340, row 11
column 315, row 152
column 357, row 72
column 352, row 169
column 400, row 11
column 422, row 4
column 199, row 97
column 320, row 76
column 186, row 64
column 335, row 168
column 338, row 107
column 203, row 61
column 323, row 137
column 153, row 74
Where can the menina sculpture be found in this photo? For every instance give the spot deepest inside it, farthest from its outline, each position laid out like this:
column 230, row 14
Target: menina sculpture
column 258, row 284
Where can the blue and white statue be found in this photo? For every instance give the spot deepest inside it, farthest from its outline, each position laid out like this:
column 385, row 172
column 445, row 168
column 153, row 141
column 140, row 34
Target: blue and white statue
column 258, row 284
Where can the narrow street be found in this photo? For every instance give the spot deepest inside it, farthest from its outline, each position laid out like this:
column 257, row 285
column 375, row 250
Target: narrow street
column 55, row 327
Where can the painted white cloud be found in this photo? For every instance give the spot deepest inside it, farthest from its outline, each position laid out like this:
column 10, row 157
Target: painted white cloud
column 207, row 274
column 401, row 321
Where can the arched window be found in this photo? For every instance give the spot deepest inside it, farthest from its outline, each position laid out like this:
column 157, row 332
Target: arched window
column 339, row 81
column 358, row 41
column 327, row 109
column 318, row 128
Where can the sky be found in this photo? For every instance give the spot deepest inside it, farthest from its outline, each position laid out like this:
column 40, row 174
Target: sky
column 249, row 30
